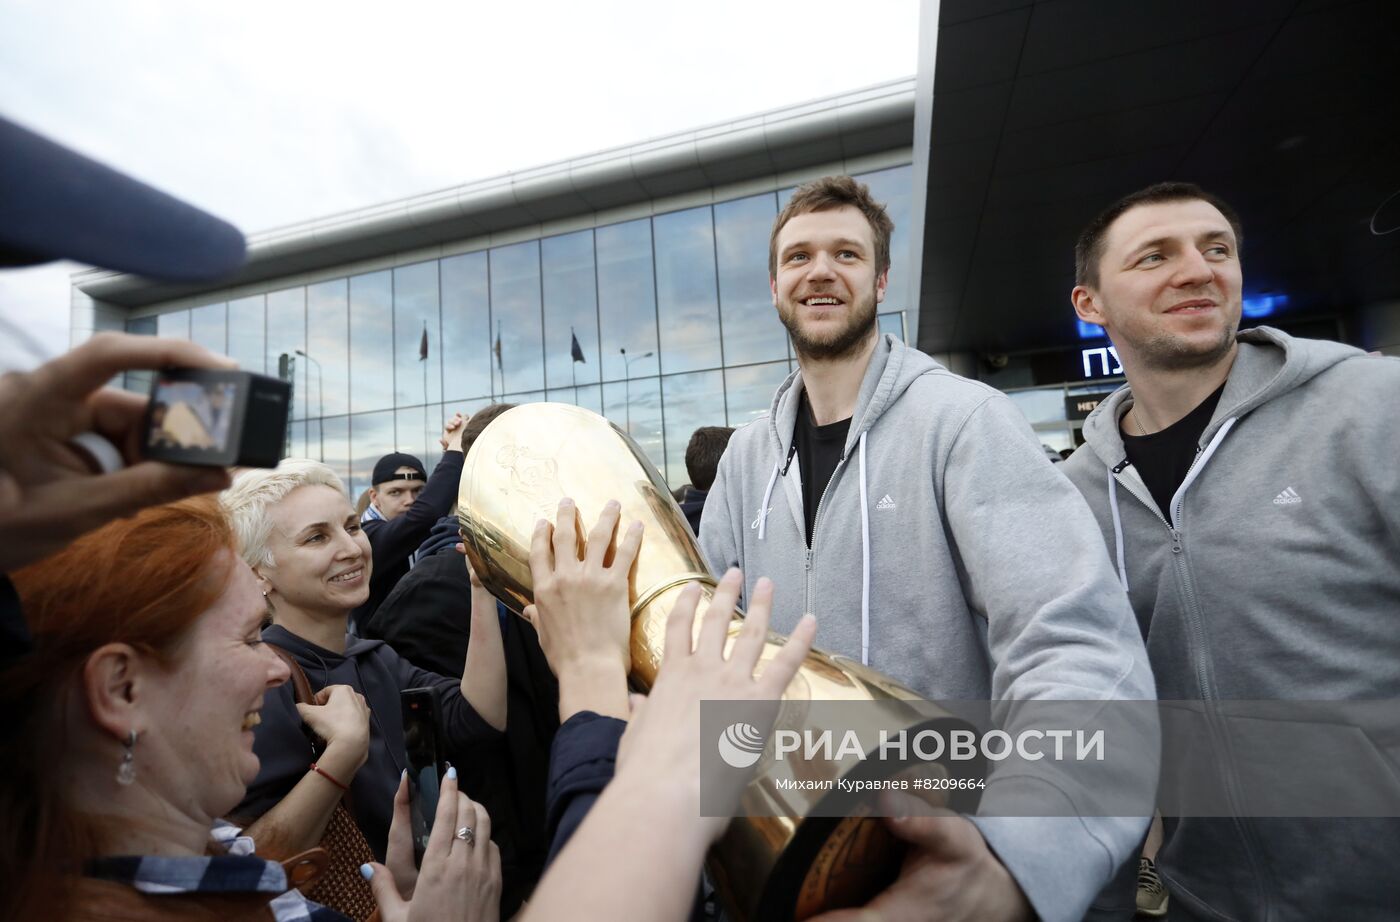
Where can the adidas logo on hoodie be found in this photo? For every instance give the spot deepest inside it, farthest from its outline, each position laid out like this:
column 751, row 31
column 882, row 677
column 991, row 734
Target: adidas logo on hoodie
column 1287, row 498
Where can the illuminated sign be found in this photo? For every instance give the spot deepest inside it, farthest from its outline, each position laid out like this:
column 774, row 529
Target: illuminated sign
column 1081, row 405
column 1100, row 363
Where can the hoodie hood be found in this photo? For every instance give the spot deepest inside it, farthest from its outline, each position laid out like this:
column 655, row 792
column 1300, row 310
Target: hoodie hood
column 1268, row 364
column 887, row 377
column 442, row 538
column 314, row 656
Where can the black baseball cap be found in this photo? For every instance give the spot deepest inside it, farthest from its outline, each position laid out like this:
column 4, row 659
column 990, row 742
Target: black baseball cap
column 57, row 204
column 386, row 467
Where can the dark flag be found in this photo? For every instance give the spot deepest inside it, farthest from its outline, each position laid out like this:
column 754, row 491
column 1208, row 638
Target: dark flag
column 423, row 345
column 497, row 349
column 576, row 349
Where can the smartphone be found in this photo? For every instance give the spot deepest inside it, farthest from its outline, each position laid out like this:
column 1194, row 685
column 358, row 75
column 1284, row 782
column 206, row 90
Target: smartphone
column 217, row 418
column 425, row 768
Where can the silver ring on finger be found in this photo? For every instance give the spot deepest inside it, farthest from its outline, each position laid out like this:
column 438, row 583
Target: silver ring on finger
column 467, row 834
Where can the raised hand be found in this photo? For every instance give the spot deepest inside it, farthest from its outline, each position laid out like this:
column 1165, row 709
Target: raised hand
column 340, row 716
column 49, row 493
column 461, row 874
column 582, row 608
column 663, row 737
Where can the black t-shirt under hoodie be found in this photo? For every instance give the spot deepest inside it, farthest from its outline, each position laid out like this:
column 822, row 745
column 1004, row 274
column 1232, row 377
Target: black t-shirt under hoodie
column 1163, row 458
column 818, row 451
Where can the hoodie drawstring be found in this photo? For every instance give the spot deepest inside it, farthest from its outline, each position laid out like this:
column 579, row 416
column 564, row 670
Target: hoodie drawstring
column 864, row 562
column 767, row 495
column 1191, row 475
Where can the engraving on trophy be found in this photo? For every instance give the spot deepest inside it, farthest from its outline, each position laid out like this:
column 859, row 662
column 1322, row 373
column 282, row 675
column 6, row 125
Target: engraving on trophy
column 534, row 481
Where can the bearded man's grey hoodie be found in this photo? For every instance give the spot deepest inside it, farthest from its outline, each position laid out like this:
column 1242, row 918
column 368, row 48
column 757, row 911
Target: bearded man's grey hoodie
column 1278, row 577
column 949, row 554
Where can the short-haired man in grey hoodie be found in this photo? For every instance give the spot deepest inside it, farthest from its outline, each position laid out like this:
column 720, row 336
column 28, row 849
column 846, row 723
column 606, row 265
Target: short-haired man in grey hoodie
column 1249, row 485
column 906, row 507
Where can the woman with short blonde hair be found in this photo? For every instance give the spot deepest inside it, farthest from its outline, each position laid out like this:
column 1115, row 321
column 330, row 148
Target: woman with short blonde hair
column 298, row 532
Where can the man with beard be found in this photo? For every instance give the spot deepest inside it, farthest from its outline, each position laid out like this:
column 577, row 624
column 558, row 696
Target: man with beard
column 1249, row 486
column 905, row 507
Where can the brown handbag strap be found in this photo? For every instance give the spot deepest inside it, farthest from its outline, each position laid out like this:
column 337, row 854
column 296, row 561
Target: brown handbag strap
column 301, row 686
column 301, row 690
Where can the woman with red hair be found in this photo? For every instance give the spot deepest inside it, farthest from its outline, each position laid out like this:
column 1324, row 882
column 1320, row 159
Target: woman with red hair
column 129, row 732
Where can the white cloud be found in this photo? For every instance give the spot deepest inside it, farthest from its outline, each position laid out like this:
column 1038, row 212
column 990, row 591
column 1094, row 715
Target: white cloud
column 272, row 113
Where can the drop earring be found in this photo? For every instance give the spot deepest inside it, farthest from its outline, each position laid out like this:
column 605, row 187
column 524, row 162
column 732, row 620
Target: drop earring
column 126, row 771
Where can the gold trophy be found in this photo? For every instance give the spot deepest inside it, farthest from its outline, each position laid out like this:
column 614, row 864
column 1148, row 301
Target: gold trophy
column 774, row 861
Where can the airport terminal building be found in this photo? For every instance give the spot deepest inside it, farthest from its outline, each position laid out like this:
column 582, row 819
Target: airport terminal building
column 633, row 282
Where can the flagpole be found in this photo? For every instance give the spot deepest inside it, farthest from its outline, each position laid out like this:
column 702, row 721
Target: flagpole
column 573, row 365
column 500, row 363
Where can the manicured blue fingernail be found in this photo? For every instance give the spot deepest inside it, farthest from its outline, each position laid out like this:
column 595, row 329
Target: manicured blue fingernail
column 403, row 774
column 452, row 773
column 366, row 871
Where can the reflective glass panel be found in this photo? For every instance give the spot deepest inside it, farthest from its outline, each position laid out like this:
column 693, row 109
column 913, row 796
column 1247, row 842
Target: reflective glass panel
column 570, row 309
column 417, row 380
column 371, row 344
column 518, row 334
column 328, row 342
column 749, row 390
column 246, row 334
column 752, row 331
column 893, row 323
column 174, row 325
column 527, row 397
column 892, row 188
column 433, row 417
column 208, row 327
column 286, row 333
column 589, row 396
column 687, row 304
column 334, row 438
column 411, row 434
column 691, row 401
column 371, row 438
column 296, row 439
column 1043, row 405
column 641, row 414
column 627, row 300
column 467, row 369
column 139, row 381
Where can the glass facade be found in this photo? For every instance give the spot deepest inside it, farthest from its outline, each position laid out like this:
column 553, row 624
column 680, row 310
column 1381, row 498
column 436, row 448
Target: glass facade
column 672, row 315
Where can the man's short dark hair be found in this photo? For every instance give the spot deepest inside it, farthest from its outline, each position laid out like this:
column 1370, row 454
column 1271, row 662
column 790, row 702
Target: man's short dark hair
column 828, row 193
column 703, row 453
column 1088, row 250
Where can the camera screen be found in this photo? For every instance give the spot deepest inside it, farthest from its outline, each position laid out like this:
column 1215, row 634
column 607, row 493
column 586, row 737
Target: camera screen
column 192, row 415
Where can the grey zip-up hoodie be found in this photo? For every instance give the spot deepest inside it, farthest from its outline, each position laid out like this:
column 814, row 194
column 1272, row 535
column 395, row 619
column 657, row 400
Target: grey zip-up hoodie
column 1278, row 577
column 949, row 554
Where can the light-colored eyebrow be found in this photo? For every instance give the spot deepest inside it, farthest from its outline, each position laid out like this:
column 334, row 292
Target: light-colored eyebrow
column 845, row 242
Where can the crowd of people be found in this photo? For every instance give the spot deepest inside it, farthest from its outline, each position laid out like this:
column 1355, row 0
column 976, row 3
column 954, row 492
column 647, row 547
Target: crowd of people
column 203, row 669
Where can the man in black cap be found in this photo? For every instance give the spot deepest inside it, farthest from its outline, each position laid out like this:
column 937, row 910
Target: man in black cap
column 58, row 204
column 404, row 505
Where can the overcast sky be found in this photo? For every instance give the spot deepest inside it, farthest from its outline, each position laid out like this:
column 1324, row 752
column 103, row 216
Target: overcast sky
column 273, row 113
